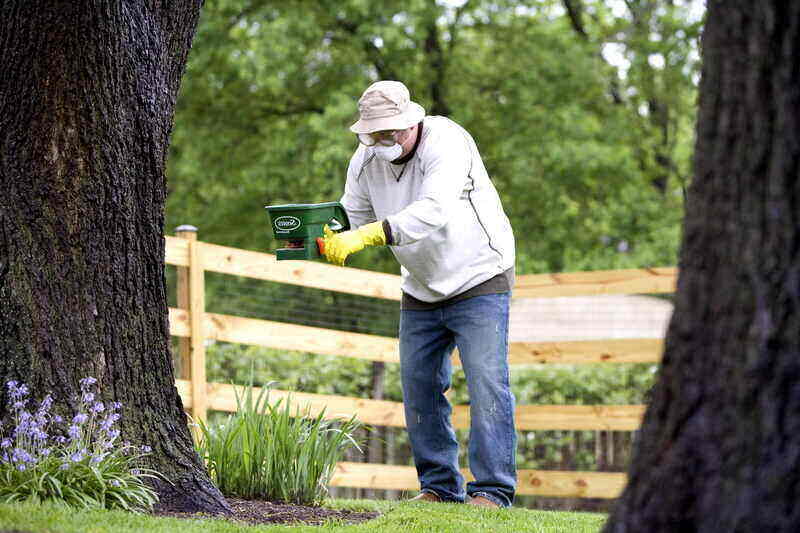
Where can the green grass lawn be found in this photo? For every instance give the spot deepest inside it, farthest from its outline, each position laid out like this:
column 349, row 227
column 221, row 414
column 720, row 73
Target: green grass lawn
column 402, row 517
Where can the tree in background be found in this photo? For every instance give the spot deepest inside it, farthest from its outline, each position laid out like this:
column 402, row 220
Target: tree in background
column 657, row 41
column 86, row 107
column 719, row 444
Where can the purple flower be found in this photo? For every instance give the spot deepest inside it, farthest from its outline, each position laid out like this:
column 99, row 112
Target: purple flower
column 45, row 406
column 87, row 382
column 64, row 466
column 77, row 456
column 116, row 405
column 24, row 426
column 115, row 483
column 45, row 452
column 21, row 430
column 5, row 443
column 88, row 397
column 74, row 431
column 80, row 418
column 135, row 472
column 147, row 449
column 97, row 459
column 57, row 419
column 106, row 424
column 15, row 390
column 21, row 467
column 98, row 407
column 113, row 434
column 19, row 455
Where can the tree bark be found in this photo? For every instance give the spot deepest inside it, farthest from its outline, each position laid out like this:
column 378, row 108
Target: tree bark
column 575, row 13
column 438, row 68
column 660, row 114
column 87, row 98
column 719, row 448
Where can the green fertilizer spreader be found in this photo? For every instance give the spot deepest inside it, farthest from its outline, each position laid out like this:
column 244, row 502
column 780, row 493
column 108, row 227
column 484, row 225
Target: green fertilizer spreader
column 300, row 225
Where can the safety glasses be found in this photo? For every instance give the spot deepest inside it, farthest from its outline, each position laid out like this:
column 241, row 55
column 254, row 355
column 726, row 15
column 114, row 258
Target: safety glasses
column 385, row 137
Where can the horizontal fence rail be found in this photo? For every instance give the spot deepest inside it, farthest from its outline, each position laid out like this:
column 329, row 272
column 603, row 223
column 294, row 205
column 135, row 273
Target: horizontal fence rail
column 555, row 483
column 264, row 266
column 631, row 281
column 299, row 338
column 192, row 325
column 258, row 265
column 222, row 397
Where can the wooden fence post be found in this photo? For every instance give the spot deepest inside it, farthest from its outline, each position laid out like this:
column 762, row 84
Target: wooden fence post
column 191, row 297
column 188, row 233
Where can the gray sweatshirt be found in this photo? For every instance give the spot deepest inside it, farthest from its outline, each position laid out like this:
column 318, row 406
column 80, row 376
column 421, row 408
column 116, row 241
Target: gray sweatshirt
column 449, row 230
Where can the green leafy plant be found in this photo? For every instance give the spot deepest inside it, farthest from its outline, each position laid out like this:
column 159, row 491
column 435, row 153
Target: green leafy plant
column 82, row 467
column 264, row 451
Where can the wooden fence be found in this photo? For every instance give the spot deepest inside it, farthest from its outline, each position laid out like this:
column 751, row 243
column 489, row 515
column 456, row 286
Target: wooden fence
column 193, row 325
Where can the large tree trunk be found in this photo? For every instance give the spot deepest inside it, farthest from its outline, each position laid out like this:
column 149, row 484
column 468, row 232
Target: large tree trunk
column 87, row 95
column 719, row 448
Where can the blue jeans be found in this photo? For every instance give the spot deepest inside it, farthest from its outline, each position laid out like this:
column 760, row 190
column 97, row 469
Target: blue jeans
column 478, row 326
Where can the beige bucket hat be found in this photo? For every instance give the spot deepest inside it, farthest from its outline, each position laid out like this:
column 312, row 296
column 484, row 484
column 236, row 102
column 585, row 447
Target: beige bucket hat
column 386, row 105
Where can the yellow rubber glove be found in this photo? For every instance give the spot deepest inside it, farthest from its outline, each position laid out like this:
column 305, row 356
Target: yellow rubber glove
column 337, row 246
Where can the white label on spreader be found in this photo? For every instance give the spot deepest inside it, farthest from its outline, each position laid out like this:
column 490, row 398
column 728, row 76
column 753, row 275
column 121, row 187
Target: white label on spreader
column 286, row 223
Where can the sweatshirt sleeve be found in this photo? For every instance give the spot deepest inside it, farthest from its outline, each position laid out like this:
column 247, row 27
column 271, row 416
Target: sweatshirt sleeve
column 445, row 162
column 355, row 200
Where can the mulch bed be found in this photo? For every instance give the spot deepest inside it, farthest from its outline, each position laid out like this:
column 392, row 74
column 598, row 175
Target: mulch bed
column 258, row 512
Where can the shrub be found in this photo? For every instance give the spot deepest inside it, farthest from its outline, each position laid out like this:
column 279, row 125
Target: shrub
column 83, row 466
column 263, row 451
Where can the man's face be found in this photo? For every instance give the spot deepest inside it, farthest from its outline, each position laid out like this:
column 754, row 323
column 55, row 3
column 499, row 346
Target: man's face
column 405, row 138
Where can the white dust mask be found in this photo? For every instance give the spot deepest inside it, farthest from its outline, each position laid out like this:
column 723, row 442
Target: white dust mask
column 388, row 153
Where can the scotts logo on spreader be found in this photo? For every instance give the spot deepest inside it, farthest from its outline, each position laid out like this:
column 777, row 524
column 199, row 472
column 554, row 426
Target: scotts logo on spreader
column 286, row 223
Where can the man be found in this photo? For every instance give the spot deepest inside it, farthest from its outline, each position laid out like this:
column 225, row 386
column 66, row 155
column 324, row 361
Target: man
column 418, row 184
